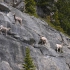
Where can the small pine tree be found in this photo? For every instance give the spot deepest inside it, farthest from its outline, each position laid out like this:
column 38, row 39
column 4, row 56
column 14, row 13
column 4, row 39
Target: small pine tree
column 28, row 62
column 30, row 7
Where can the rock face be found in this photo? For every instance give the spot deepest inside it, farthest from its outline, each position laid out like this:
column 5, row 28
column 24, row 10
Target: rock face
column 12, row 46
column 19, row 4
column 4, row 7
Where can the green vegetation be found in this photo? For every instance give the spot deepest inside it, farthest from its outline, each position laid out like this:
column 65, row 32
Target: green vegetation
column 61, row 16
column 63, row 7
column 30, row 7
column 61, row 10
column 29, row 65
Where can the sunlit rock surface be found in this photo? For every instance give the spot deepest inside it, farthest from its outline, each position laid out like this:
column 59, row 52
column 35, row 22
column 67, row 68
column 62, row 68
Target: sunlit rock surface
column 12, row 46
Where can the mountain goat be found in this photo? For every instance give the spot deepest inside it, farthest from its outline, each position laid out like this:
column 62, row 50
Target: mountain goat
column 17, row 19
column 43, row 40
column 5, row 29
column 59, row 47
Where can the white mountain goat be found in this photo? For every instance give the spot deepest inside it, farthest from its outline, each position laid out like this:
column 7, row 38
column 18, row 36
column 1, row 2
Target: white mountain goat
column 43, row 40
column 59, row 47
column 5, row 29
column 17, row 19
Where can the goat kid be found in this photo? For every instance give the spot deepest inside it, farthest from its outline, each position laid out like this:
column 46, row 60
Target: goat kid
column 59, row 47
column 17, row 19
column 43, row 40
column 5, row 29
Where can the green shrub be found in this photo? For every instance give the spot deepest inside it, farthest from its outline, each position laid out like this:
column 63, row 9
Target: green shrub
column 30, row 6
column 28, row 62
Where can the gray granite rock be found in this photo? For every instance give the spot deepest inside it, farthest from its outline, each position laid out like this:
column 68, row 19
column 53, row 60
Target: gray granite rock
column 12, row 46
